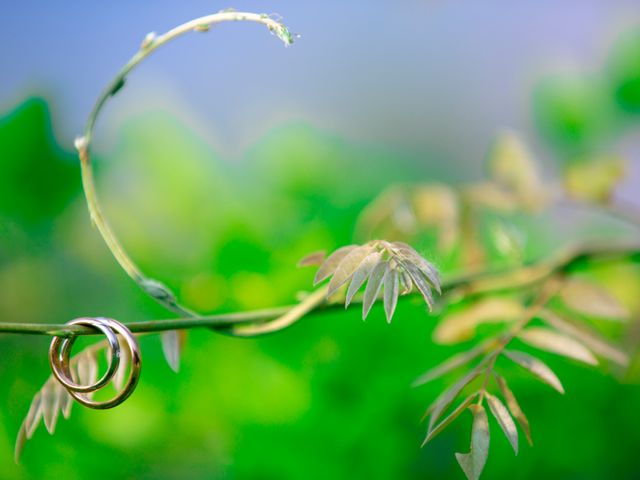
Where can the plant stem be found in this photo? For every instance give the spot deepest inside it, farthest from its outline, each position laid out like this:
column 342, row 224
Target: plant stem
column 549, row 289
column 151, row 43
column 471, row 284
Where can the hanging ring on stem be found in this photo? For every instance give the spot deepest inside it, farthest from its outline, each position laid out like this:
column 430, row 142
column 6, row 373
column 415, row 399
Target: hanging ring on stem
column 59, row 355
column 59, row 358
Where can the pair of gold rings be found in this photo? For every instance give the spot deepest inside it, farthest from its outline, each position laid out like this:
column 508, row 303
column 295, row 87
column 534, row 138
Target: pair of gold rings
column 116, row 334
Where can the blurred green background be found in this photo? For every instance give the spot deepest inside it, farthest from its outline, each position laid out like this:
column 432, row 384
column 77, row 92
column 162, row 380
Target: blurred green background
column 328, row 398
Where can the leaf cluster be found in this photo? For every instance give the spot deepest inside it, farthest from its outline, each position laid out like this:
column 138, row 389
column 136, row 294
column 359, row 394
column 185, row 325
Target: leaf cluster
column 395, row 268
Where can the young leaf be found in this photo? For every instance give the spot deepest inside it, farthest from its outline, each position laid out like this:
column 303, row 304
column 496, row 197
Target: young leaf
column 389, row 213
column 431, row 433
column 120, row 376
column 438, row 206
column 87, row 368
column 491, row 196
column 372, row 263
column 514, row 407
column 347, row 267
column 554, row 342
column 505, row 421
column 66, row 402
column 330, row 264
column 20, row 441
column 406, row 284
column 33, row 417
column 591, row 299
column 419, row 281
column 508, row 240
column 438, row 407
column 51, row 397
column 410, row 255
column 448, row 365
column 595, row 180
column 172, row 343
column 473, row 463
column 535, row 366
column 459, row 326
column 361, row 275
column 590, row 338
column 373, row 287
column 391, row 291
column 313, row 259
column 29, row 425
column 512, row 167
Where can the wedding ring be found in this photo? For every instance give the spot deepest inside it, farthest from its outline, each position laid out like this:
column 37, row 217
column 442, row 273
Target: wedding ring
column 115, row 332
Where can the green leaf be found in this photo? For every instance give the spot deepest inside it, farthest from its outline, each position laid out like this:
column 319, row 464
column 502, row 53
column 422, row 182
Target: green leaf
column 347, row 267
column 473, row 463
column 554, row 342
column 590, row 338
column 391, row 291
column 27, row 146
column 505, row 421
column 431, row 433
column 449, row 365
column 514, row 407
column 461, row 325
column 361, row 275
column 440, row 405
column 588, row 298
column 373, row 287
column 535, row 366
column 330, row 264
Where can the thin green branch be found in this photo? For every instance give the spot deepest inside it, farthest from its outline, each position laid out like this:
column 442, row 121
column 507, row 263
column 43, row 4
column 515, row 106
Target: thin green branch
column 472, row 284
column 151, row 43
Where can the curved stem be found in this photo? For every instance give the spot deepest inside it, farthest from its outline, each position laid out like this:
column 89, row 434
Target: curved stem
column 471, row 284
column 150, row 44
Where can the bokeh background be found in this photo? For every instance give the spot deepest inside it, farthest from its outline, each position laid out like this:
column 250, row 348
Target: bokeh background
column 226, row 158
